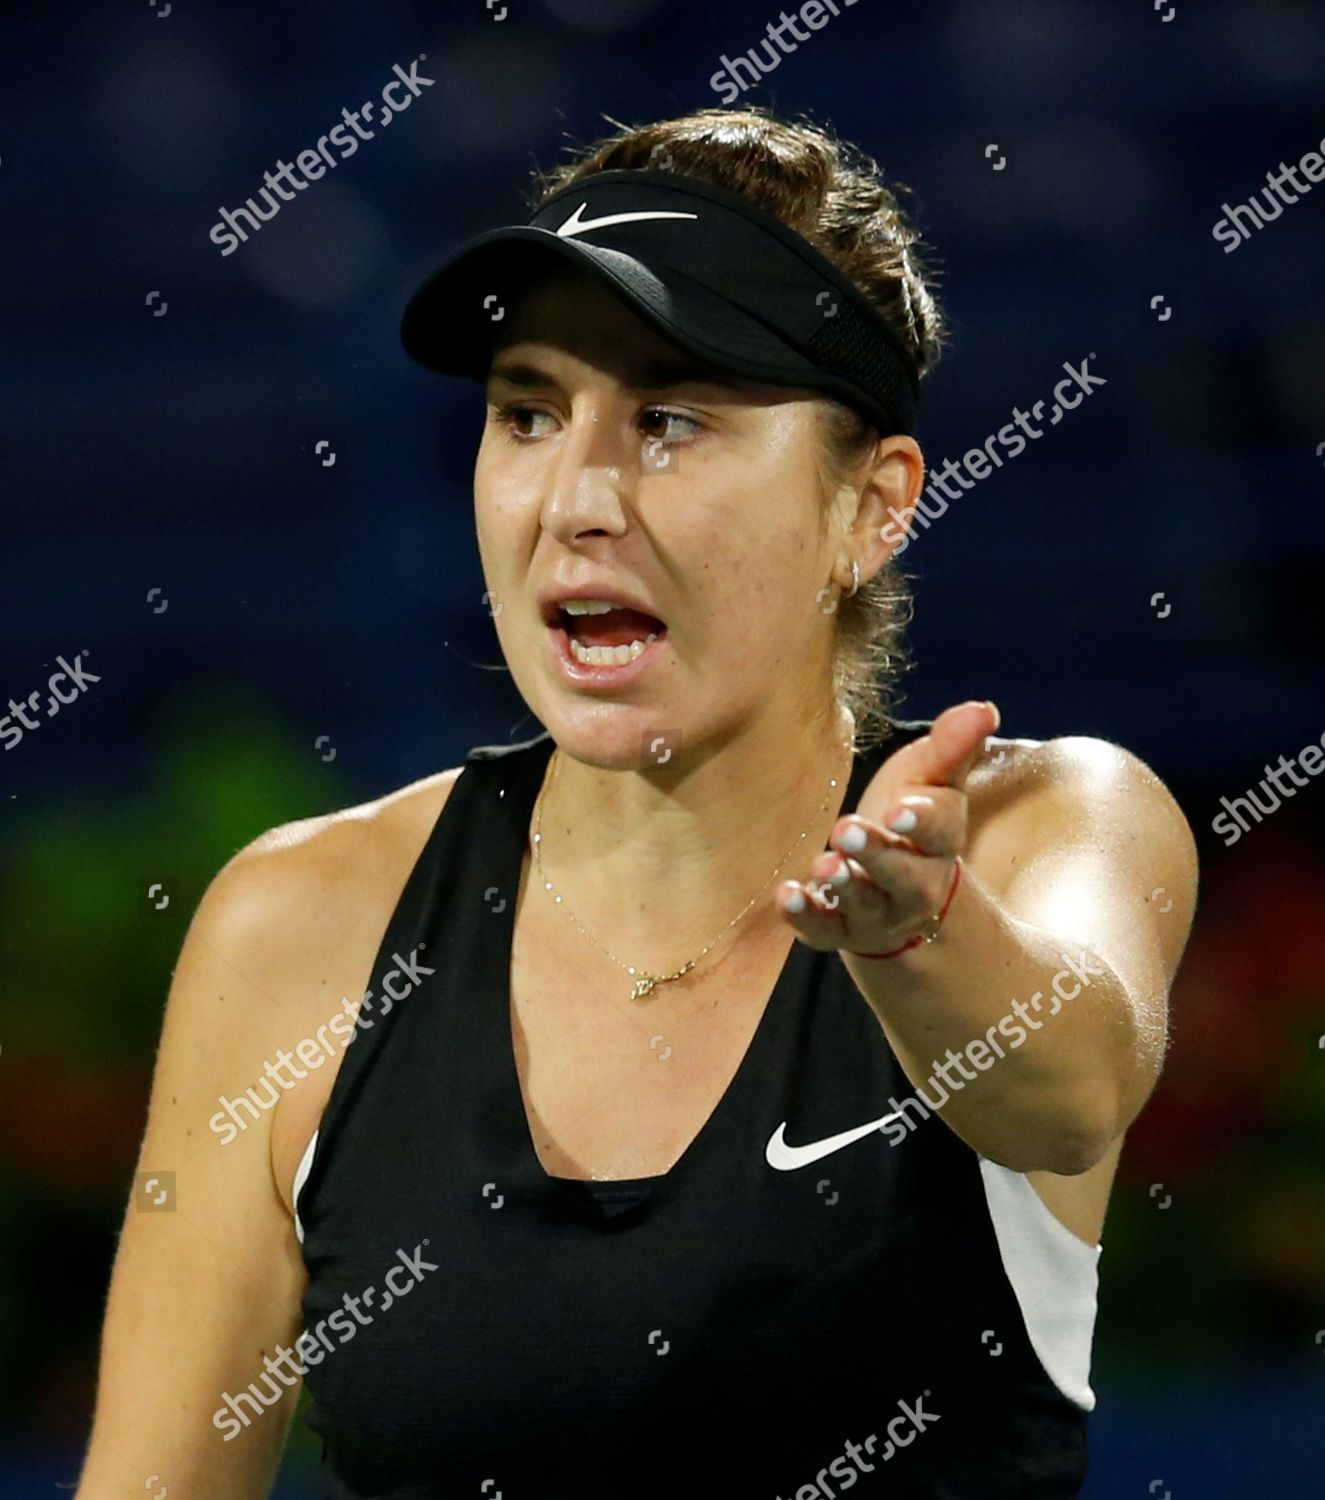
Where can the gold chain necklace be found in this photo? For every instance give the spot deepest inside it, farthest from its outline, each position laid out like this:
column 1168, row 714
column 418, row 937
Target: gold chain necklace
column 645, row 982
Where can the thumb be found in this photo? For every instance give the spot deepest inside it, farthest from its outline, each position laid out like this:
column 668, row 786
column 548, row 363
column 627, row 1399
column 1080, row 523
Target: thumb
column 946, row 755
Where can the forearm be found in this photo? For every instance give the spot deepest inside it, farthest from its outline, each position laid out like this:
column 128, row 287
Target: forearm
column 1031, row 1039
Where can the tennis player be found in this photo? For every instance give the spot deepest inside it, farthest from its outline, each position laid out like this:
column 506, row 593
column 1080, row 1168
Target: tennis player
column 717, row 1092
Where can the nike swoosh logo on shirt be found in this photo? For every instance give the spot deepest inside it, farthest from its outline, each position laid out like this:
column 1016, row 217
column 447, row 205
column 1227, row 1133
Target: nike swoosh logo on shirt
column 576, row 225
column 787, row 1158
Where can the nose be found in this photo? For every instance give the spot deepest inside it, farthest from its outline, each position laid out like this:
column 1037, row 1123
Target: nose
column 590, row 476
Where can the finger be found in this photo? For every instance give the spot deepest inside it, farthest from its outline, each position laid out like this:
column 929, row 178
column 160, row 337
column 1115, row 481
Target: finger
column 814, row 912
column 932, row 822
column 867, row 909
column 869, row 915
column 945, row 755
column 913, row 885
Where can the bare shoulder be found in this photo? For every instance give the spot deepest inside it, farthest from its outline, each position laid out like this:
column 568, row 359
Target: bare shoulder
column 303, row 911
column 1070, row 765
column 1029, row 798
column 371, row 830
column 304, row 892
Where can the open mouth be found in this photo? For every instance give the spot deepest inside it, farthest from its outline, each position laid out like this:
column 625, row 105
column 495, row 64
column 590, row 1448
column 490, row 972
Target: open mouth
column 614, row 637
column 603, row 638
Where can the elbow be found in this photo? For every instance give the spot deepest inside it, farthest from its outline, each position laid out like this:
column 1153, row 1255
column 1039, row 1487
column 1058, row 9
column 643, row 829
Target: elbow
column 1077, row 1155
column 1065, row 1142
column 1081, row 1139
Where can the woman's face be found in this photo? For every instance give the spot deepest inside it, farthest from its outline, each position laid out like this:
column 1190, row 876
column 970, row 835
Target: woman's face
column 615, row 464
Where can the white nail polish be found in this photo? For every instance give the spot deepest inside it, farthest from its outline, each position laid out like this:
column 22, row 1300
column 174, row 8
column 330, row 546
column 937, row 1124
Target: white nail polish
column 840, row 877
column 904, row 822
column 794, row 903
column 854, row 839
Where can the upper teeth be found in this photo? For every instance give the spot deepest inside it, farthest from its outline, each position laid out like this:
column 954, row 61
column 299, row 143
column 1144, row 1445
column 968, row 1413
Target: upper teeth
column 602, row 656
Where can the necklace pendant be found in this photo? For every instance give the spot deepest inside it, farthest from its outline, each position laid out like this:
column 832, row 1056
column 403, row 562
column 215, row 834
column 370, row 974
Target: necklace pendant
column 642, row 987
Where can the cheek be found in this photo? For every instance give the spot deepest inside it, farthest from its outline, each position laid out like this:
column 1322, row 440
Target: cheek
column 504, row 521
column 744, row 554
column 743, row 590
column 752, row 559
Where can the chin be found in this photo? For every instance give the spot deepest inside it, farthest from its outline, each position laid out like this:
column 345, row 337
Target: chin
column 615, row 736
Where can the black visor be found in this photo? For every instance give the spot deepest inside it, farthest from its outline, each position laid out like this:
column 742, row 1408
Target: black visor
column 717, row 275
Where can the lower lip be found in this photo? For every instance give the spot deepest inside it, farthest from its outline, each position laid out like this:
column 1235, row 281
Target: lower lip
column 587, row 676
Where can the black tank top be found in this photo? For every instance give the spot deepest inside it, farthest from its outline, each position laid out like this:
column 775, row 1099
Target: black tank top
column 730, row 1328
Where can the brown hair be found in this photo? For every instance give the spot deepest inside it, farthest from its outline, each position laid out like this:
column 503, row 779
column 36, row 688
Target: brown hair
column 830, row 192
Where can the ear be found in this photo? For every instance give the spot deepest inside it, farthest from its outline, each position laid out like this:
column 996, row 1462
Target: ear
column 888, row 496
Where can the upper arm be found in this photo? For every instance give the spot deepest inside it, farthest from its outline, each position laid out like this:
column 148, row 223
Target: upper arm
column 210, row 1280
column 1094, row 849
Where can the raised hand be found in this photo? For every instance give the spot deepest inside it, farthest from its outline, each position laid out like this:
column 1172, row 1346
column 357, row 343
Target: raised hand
column 896, row 855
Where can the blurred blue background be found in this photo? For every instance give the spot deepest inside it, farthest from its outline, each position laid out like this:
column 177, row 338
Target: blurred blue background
column 276, row 635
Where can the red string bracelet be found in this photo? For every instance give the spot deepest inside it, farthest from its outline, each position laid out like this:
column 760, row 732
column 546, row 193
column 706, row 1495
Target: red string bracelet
column 931, row 929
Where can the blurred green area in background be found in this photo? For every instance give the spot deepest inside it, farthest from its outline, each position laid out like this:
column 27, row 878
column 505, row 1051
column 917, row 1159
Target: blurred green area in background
column 96, row 895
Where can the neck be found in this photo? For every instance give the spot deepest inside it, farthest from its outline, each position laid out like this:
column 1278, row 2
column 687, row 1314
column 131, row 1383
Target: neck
column 654, row 863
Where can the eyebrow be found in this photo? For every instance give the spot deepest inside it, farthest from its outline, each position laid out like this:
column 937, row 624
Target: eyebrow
column 656, row 374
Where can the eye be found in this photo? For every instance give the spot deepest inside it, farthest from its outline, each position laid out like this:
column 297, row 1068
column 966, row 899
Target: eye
column 660, row 416
column 511, row 415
